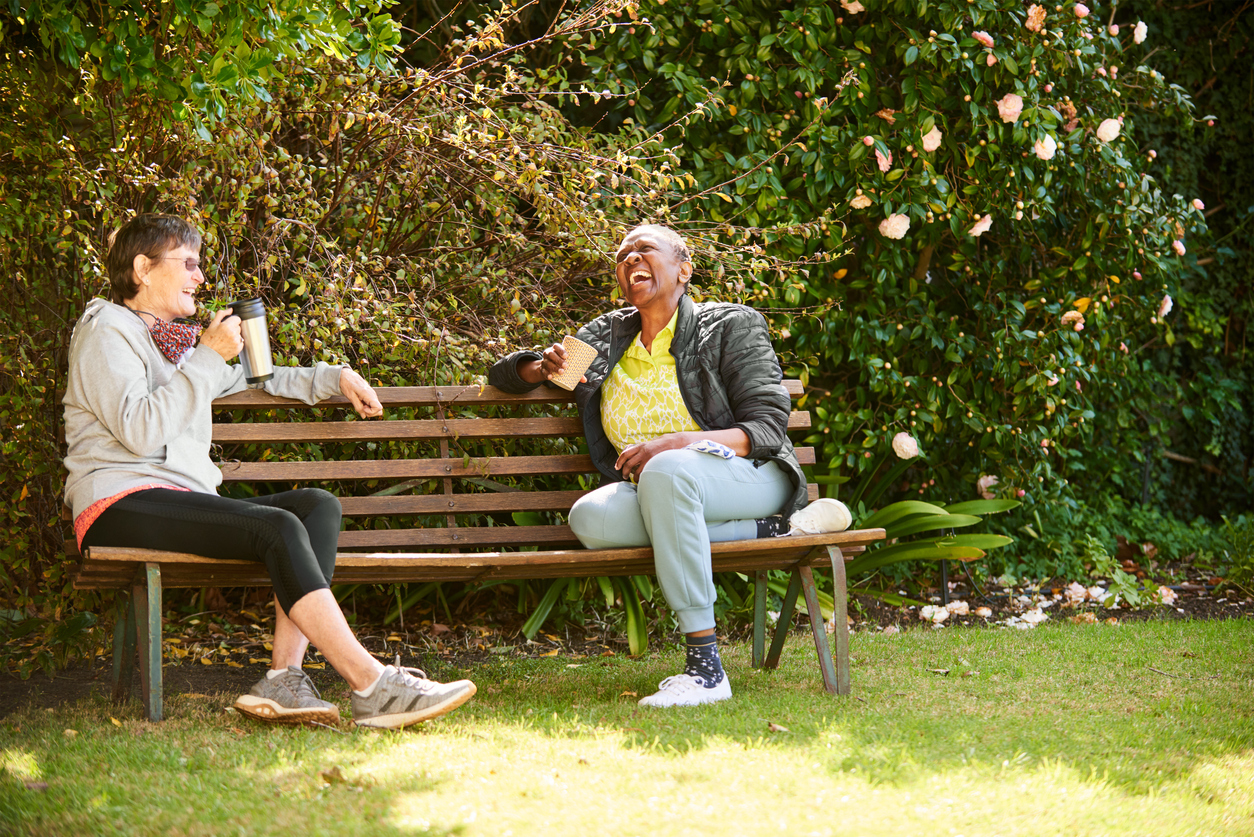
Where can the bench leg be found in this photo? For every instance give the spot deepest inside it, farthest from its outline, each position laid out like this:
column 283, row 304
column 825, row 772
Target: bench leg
column 124, row 650
column 147, row 607
column 759, row 617
column 785, row 621
column 840, row 605
column 819, row 629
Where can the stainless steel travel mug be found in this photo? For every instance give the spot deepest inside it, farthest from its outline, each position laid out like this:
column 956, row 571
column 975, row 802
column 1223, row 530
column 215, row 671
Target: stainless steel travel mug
column 256, row 357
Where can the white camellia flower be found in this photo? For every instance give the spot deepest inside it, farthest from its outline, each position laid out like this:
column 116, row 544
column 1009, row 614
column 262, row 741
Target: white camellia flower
column 852, row 6
column 1034, row 617
column 932, row 139
column 1198, row 205
column 860, row 202
column 1167, row 595
column 1139, row 32
column 1108, row 130
column 981, row 226
column 895, row 226
column 958, row 608
column 933, row 613
column 1009, row 107
column 1164, row 308
column 985, row 486
column 985, row 612
column 905, row 446
column 1045, row 148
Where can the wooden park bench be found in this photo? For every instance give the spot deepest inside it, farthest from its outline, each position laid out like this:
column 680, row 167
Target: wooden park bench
column 456, row 449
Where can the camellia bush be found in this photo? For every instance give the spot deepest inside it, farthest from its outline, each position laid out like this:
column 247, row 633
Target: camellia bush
column 1012, row 257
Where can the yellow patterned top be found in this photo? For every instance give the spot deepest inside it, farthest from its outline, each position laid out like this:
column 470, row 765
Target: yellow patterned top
column 640, row 400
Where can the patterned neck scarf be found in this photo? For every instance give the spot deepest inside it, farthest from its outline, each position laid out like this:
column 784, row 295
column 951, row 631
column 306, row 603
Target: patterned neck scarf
column 174, row 340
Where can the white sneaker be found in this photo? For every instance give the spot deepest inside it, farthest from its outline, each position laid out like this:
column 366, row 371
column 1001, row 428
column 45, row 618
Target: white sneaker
column 686, row 690
column 825, row 515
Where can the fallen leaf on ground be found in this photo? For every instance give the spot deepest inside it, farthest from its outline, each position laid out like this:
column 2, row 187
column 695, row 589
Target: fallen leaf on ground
column 773, row 727
column 393, row 638
column 1085, row 618
column 316, row 666
column 1112, row 621
column 332, row 776
column 943, row 672
column 115, row 721
column 627, row 694
column 892, row 630
column 574, row 665
column 69, row 733
column 972, row 673
column 552, row 653
column 437, row 628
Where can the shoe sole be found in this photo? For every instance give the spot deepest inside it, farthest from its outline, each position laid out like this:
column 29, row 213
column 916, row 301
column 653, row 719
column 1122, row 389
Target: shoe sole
column 404, row 719
column 706, row 702
column 264, row 709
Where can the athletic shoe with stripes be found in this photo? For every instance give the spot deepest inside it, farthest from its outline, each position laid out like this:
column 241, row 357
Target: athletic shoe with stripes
column 405, row 696
column 290, row 698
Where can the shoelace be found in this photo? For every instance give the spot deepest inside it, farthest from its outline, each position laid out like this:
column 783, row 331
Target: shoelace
column 304, row 686
column 408, row 673
column 676, row 678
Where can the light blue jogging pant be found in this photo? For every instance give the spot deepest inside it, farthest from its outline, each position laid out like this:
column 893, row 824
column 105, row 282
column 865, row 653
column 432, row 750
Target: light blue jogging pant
column 684, row 501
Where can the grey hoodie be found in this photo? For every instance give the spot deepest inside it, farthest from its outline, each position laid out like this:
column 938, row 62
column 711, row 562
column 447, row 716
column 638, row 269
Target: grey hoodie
column 133, row 418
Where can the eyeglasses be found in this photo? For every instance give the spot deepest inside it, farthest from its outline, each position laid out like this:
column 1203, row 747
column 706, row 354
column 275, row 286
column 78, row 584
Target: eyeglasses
column 192, row 265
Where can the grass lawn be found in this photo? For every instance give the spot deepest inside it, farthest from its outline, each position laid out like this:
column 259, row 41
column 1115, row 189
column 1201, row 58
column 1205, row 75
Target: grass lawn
column 1061, row 730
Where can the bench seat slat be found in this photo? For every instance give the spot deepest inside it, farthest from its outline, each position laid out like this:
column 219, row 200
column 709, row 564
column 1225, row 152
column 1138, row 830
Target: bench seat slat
column 181, row 570
column 459, row 536
column 448, row 396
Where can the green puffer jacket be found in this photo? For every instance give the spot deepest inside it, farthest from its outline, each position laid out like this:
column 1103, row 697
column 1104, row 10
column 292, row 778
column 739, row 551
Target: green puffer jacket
column 728, row 375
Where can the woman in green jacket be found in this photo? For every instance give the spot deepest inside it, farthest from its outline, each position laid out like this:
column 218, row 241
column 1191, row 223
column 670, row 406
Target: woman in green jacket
column 686, row 419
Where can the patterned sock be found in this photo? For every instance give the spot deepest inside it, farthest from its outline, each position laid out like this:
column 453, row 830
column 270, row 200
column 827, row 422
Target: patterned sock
column 703, row 660
column 772, row 527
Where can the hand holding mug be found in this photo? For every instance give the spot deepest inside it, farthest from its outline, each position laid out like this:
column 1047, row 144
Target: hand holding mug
column 223, row 335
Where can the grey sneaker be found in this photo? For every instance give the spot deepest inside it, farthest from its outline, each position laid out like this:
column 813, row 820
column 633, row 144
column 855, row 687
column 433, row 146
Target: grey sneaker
column 405, row 696
column 290, row 698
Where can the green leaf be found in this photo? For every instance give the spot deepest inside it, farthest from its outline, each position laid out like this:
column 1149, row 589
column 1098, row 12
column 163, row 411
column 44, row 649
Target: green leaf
column 930, row 523
column 982, row 506
column 888, row 515
column 532, row 626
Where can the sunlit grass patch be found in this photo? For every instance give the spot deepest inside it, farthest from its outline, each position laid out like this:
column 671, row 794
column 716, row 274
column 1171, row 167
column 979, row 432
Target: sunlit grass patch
column 1143, row 729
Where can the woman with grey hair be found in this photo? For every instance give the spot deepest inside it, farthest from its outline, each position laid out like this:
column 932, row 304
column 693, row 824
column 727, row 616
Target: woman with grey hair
column 686, row 420
column 138, row 428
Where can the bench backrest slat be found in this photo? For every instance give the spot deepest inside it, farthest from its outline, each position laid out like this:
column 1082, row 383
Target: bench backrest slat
column 378, row 469
column 445, row 396
column 417, row 430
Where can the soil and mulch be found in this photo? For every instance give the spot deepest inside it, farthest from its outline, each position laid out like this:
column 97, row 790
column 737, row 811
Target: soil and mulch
column 224, row 652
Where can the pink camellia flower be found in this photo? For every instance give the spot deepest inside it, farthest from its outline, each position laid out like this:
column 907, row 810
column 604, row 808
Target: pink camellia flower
column 868, row 141
column 1123, row 347
column 1114, row 29
column 905, row 446
column 1044, row 443
column 1049, row 88
column 1109, row 130
column 1136, row 274
column 984, row 38
column 895, row 226
column 1081, row 11
column 853, row 7
column 1022, row 493
column 860, row 202
column 1036, row 18
column 1178, row 246
column 990, row 59
column 1009, row 107
column 1152, row 154
column 1074, row 319
column 1078, row 388
column 1164, row 307
column 1114, row 72
column 884, row 161
column 1101, row 71
column 932, row 139
column 1198, row 205
column 985, row 486
column 981, row 226
column 1045, row 147
column 1139, row 32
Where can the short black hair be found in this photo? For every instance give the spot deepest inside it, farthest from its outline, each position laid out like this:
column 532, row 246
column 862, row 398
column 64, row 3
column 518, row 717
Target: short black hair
column 679, row 247
column 152, row 234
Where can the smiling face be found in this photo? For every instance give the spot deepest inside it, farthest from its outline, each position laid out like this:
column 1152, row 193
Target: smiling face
column 651, row 273
column 167, row 289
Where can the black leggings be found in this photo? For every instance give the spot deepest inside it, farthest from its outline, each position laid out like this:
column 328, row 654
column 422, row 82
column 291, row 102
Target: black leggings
column 294, row 533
